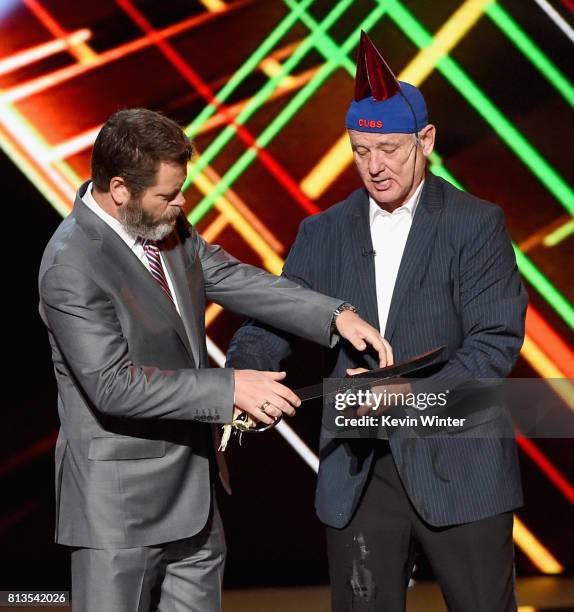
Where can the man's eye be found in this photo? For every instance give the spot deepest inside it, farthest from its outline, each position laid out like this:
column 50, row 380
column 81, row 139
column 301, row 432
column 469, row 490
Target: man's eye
column 361, row 152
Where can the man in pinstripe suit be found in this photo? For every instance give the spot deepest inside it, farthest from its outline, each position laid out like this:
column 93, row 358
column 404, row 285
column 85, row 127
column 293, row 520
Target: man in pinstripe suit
column 428, row 265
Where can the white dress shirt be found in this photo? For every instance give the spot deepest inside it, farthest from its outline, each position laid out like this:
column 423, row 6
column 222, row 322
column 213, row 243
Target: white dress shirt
column 132, row 243
column 389, row 233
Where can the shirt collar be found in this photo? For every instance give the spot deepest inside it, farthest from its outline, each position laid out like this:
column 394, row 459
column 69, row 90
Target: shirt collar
column 88, row 200
column 410, row 206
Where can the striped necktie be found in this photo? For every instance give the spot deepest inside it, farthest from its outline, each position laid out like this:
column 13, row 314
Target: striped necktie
column 156, row 268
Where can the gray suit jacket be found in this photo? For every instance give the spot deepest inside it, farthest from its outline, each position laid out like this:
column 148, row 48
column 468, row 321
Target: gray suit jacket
column 136, row 398
column 457, row 286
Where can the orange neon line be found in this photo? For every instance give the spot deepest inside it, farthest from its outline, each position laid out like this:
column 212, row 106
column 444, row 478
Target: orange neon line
column 34, row 86
column 550, row 342
column 39, row 52
column 80, row 51
column 85, row 139
column 233, row 110
column 538, row 237
column 246, row 212
column 215, row 228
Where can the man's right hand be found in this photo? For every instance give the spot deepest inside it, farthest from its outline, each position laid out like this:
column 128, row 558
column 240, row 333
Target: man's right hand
column 254, row 389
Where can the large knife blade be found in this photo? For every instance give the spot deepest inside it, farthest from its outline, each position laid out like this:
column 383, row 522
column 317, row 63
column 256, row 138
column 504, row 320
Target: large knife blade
column 372, row 377
column 357, row 381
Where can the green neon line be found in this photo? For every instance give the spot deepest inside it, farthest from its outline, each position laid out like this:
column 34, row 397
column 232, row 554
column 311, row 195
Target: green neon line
column 266, row 91
column 529, row 48
column 544, row 287
column 527, row 268
column 559, row 234
column 483, row 105
column 248, row 66
column 525, row 265
column 326, row 45
column 437, row 167
column 283, row 118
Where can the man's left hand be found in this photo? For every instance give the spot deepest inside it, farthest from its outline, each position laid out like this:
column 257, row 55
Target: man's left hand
column 401, row 389
column 359, row 333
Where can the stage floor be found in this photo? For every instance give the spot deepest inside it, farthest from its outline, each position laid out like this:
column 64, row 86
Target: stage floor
column 534, row 594
column 543, row 594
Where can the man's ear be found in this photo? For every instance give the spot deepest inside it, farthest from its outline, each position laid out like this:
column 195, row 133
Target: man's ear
column 119, row 191
column 427, row 139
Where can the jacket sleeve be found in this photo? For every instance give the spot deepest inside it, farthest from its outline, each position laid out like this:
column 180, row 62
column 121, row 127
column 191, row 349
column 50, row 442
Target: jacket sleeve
column 85, row 327
column 258, row 346
column 493, row 305
column 272, row 300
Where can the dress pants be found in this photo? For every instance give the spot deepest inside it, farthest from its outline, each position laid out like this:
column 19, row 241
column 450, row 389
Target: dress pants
column 181, row 576
column 371, row 559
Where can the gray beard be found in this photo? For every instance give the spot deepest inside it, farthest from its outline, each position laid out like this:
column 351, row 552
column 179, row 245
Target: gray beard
column 138, row 224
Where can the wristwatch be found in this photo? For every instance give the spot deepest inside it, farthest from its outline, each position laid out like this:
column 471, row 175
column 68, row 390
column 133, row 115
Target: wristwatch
column 340, row 309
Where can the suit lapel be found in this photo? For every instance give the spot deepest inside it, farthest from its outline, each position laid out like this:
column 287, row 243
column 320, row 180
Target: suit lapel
column 363, row 263
column 417, row 249
column 131, row 267
column 174, row 258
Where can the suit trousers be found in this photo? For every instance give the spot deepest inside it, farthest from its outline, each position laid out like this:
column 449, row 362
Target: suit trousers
column 181, row 576
column 371, row 559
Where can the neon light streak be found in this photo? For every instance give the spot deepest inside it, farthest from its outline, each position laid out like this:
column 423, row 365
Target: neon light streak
column 260, row 98
column 545, row 287
column 293, row 82
column 527, row 268
column 484, row 106
column 529, row 48
column 249, row 66
column 450, row 33
column 539, row 237
column 537, row 553
column 52, row 79
column 559, row 234
column 530, row 272
column 553, row 345
column 555, row 476
column 556, row 18
column 204, row 90
column 336, row 160
column 40, row 52
column 282, row 119
column 271, row 260
column 84, row 140
column 81, row 51
column 212, row 231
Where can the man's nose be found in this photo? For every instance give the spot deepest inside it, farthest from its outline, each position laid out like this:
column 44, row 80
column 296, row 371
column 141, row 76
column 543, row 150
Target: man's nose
column 376, row 163
column 179, row 200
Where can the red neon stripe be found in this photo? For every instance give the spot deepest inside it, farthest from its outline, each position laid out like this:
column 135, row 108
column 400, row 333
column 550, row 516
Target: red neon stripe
column 47, row 20
column 569, row 5
column 555, row 476
column 550, row 342
column 7, row 522
column 205, row 91
column 45, row 445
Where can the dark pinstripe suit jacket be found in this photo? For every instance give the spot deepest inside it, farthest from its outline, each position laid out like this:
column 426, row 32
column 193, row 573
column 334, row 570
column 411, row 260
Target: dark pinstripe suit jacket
column 457, row 286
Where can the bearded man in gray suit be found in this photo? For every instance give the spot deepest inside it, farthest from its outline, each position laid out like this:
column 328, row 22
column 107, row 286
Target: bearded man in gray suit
column 123, row 284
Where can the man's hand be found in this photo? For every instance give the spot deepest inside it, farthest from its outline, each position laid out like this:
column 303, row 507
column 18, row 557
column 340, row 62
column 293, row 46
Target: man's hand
column 359, row 333
column 400, row 389
column 262, row 396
